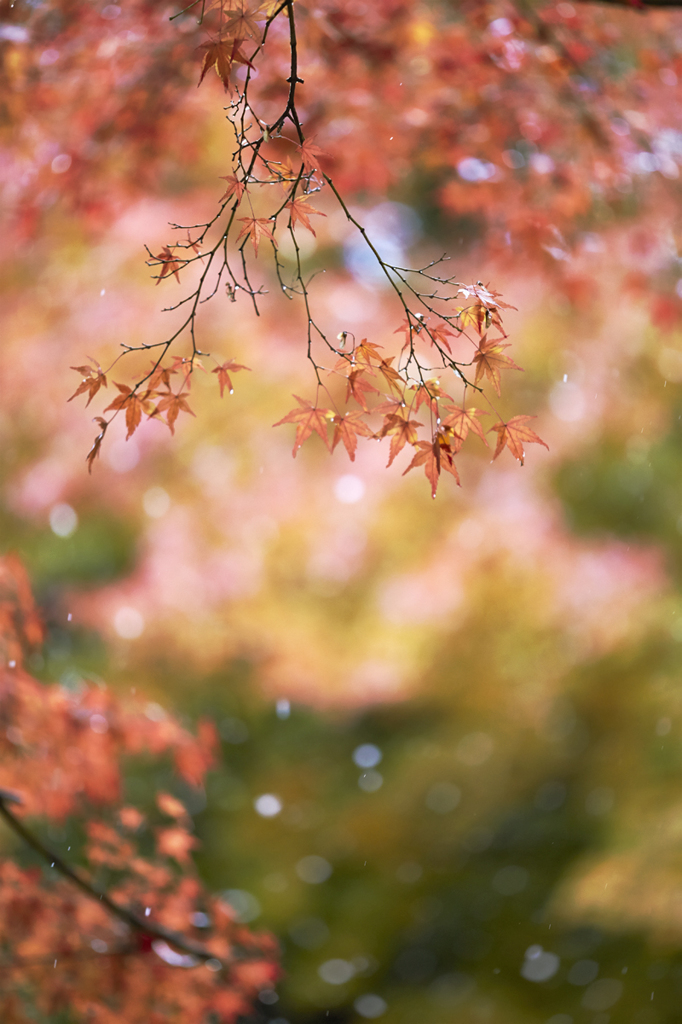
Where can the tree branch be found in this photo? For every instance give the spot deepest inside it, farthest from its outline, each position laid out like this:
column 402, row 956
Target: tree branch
column 139, row 924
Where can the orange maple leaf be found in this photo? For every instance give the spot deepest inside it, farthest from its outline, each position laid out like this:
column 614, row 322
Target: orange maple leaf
column 160, row 375
column 390, row 374
column 356, row 385
column 347, row 428
column 186, row 367
column 242, row 22
column 428, row 394
column 489, row 361
column 133, row 404
column 462, row 421
column 234, row 187
column 299, row 213
column 434, row 456
column 308, row 418
column 513, row 434
column 172, row 405
column 439, row 335
column 224, row 375
column 93, row 380
column 310, row 154
column 257, row 228
column 176, row 842
column 365, row 353
column 404, row 431
column 97, row 443
column 171, row 806
column 130, row 818
column 222, row 54
column 170, row 264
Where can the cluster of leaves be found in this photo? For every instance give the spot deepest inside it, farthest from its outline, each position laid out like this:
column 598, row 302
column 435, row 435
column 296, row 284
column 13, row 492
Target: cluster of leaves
column 402, row 388
column 263, row 160
column 130, row 934
column 553, row 101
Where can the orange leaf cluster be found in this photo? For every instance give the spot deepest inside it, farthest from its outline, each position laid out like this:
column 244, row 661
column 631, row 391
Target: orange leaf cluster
column 368, row 375
column 174, row 953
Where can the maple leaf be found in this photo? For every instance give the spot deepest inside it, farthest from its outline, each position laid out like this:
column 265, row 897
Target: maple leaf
column 172, row 404
column 299, row 213
column 97, row 443
column 310, row 154
column 243, row 21
column 408, row 329
column 222, row 54
column 160, row 375
column 235, row 187
column 176, row 842
column 356, row 385
column 463, row 420
column 347, row 428
column 93, row 380
column 285, row 173
column 130, row 818
column 428, row 394
column 170, row 264
column 186, row 367
column 257, row 228
column 440, row 334
column 171, row 806
column 308, row 418
column 133, row 404
column 404, row 431
column 434, row 456
column 475, row 316
column 365, row 352
column 390, row 374
column 514, row 434
column 489, row 361
column 410, row 326
column 223, row 372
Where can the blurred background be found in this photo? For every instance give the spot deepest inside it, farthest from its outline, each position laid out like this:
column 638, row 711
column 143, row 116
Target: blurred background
column 452, row 730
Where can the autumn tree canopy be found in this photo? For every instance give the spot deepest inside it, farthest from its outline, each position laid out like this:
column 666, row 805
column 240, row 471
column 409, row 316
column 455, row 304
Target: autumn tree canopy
column 524, row 124
column 519, row 131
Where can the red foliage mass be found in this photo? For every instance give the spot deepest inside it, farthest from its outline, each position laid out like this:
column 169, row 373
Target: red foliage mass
column 60, row 945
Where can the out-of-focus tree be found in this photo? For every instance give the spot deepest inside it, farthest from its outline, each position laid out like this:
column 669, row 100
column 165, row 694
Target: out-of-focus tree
column 528, row 766
column 541, row 144
column 118, row 926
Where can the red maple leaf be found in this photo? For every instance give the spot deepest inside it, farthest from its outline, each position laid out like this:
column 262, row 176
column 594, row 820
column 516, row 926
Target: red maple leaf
column 513, row 434
column 308, row 418
column 357, row 386
column 222, row 54
column 390, row 374
column 347, row 428
column 489, row 360
column 133, row 404
column 439, row 335
column 172, row 405
column 300, row 214
column 93, row 380
column 170, row 264
column 256, row 228
column 403, row 431
column 176, row 842
column 223, row 372
column 310, row 154
column 434, row 456
column 428, row 394
column 461, row 421
column 235, row 187
column 97, row 443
